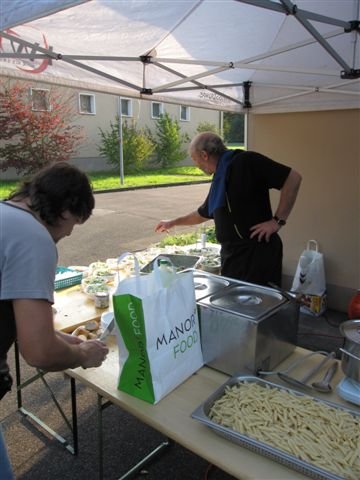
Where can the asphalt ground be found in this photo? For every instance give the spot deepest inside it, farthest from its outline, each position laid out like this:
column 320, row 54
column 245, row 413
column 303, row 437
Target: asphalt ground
column 122, row 221
column 125, row 222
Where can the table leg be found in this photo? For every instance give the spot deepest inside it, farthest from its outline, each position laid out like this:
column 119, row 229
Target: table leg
column 100, row 437
column 136, row 468
column 18, row 375
column 74, row 415
column 154, row 453
column 73, row 449
column 100, row 407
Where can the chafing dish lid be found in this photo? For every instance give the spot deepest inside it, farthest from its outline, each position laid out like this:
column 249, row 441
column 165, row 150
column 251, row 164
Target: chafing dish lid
column 250, row 301
column 206, row 284
column 351, row 330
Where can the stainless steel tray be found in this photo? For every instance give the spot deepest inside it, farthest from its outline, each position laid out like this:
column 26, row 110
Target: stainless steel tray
column 179, row 261
column 201, row 413
column 207, row 283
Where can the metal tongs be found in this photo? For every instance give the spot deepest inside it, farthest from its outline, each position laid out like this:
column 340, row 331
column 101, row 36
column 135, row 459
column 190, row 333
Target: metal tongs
column 302, row 382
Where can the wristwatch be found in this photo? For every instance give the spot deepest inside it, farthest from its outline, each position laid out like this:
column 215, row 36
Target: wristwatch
column 279, row 221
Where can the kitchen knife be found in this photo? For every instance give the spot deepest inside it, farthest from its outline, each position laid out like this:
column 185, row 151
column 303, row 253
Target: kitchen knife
column 107, row 330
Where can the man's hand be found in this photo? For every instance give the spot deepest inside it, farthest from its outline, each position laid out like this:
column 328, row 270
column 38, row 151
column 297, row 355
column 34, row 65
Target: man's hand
column 72, row 339
column 264, row 230
column 164, row 226
column 94, row 353
column 43, row 347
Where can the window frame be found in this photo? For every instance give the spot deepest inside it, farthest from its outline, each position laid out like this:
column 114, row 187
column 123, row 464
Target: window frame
column 130, row 103
column 187, row 119
column 161, row 110
column 92, row 103
column 47, row 98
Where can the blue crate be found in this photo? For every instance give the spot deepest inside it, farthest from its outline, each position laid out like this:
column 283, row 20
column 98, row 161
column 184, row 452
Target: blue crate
column 69, row 281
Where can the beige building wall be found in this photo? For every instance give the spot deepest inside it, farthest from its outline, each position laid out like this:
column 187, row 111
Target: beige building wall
column 325, row 148
column 106, row 109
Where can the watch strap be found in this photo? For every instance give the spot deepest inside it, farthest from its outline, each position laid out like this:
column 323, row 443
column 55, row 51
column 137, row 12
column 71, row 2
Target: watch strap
column 279, row 221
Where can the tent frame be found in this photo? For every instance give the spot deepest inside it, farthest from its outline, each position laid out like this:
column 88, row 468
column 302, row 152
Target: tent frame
column 32, row 51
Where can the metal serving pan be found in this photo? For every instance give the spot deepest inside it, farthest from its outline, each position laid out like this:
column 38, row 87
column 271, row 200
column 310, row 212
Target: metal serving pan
column 180, row 262
column 207, row 283
column 201, row 413
column 250, row 301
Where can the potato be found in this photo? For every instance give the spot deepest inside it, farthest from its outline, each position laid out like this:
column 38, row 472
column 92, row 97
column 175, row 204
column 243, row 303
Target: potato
column 92, row 325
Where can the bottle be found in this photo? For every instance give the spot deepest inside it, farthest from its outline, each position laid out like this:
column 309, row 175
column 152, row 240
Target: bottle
column 167, row 272
column 203, row 240
column 102, row 299
column 354, row 306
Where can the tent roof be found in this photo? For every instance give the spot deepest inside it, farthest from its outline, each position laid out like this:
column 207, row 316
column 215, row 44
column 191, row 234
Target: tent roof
column 270, row 55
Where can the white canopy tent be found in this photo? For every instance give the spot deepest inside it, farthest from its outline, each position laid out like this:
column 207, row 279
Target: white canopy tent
column 252, row 56
column 232, row 55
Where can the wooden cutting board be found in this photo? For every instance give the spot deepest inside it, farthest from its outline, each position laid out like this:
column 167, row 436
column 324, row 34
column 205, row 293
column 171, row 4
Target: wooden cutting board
column 74, row 308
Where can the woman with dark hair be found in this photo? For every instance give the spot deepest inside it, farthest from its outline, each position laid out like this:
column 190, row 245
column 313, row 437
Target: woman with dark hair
column 32, row 220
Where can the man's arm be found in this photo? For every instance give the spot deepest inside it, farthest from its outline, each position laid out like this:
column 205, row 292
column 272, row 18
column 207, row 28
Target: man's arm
column 193, row 218
column 42, row 347
column 288, row 195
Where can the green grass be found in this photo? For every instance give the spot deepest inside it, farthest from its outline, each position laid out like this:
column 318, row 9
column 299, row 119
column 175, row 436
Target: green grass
column 148, row 177
column 188, row 238
column 111, row 181
column 235, row 146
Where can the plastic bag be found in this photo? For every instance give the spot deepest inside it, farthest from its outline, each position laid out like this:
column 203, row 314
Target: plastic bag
column 309, row 280
column 158, row 333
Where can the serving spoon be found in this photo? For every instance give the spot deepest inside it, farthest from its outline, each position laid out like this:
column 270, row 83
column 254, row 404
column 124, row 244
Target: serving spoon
column 324, row 385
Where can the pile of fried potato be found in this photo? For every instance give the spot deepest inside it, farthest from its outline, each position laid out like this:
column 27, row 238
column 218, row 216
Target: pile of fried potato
column 89, row 331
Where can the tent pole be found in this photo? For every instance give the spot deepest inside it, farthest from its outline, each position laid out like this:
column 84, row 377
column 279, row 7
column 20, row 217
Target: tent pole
column 246, row 129
column 121, row 158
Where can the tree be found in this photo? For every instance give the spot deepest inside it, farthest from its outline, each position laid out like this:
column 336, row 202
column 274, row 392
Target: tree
column 207, row 127
column 169, row 142
column 137, row 145
column 234, row 127
column 226, row 127
column 33, row 139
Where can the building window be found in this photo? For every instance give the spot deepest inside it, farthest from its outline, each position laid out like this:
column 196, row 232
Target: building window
column 157, row 109
column 87, row 103
column 126, row 107
column 40, row 99
column 184, row 113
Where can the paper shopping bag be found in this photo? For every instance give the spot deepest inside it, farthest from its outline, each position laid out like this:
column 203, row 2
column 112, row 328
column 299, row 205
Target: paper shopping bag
column 158, row 334
column 309, row 280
